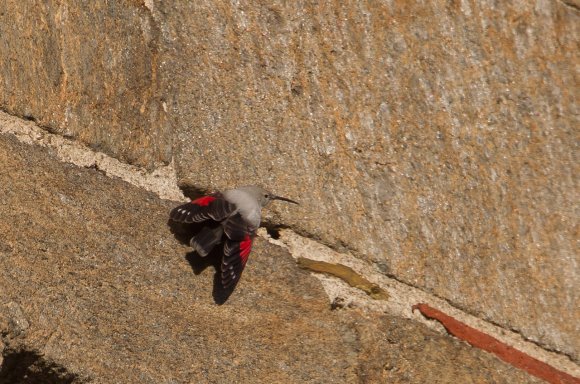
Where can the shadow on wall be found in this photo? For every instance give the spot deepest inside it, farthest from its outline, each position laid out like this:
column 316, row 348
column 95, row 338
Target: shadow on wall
column 28, row 367
column 183, row 232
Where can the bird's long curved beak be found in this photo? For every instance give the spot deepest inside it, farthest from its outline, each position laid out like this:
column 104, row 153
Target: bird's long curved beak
column 284, row 199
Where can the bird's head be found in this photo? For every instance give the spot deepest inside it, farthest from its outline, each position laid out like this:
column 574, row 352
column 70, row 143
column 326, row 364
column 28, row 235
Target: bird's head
column 262, row 196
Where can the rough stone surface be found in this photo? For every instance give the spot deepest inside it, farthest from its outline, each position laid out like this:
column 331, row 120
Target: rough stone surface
column 90, row 264
column 95, row 288
column 436, row 140
column 404, row 352
column 88, row 70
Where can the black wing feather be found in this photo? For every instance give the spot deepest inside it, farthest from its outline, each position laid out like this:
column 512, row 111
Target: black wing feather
column 206, row 239
column 213, row 207
column 237, row 248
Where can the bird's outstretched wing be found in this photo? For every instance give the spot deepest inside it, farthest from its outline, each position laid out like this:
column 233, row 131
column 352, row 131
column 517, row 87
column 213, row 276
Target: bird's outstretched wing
column 237, row 248
column 213, row 207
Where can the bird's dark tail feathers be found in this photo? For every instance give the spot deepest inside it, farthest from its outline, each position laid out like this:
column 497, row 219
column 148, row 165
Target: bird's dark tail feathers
column 207, row 239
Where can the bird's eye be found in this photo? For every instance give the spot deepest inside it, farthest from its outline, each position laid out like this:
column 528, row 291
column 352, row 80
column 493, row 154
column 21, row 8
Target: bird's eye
column 266, row 195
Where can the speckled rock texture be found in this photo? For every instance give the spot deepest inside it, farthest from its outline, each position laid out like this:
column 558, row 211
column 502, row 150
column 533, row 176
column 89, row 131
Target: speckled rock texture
column 107, row 291
column 94, row 288
column 435, row 140
column 88, row 70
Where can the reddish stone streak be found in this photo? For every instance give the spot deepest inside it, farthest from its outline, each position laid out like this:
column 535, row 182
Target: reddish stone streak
column 508, row 354
column 203, row 201
column 245, row 248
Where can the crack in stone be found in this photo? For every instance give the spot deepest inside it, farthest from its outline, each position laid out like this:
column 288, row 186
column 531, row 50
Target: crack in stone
column 513, row 330
column 488, row 343
column 136, row 176
column 411, row 295
column 570, row 4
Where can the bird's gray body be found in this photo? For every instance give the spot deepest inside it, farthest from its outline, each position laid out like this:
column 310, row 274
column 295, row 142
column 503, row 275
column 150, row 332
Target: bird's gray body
column 249, row 201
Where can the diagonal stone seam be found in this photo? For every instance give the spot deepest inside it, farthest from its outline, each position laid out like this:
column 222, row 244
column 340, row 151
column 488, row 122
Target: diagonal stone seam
column 402, row 297
column 162, row 181
column 510, row 355
column 574, row 4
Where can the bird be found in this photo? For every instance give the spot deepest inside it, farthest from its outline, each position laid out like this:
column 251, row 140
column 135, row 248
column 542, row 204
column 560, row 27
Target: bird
column 230, row 219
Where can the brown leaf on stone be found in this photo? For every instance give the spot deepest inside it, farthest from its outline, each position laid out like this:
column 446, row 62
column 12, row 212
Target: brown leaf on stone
column 346, row 274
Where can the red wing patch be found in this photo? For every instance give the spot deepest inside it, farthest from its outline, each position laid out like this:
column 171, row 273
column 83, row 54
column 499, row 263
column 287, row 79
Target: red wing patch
column 213, row 207
column 236, row 249
column 234, row 260
column 245, row 249
column 203, row 201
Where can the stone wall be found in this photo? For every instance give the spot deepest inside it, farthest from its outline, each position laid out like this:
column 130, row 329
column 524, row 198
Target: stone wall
column 437, row 141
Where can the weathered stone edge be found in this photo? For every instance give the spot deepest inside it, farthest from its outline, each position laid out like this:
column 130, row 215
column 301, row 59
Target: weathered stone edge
column 163, row 182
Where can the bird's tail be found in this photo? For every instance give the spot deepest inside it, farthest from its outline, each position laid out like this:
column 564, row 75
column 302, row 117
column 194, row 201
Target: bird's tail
column 206, row 240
